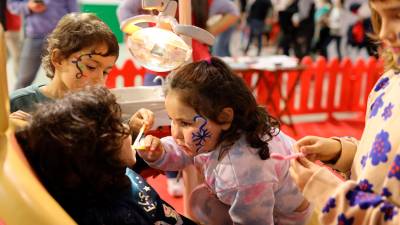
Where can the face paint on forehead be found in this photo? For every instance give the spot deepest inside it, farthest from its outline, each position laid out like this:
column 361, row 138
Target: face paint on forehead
column 199, row 138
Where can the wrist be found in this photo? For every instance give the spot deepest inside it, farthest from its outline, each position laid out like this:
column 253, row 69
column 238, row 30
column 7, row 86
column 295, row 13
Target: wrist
column 338, row 152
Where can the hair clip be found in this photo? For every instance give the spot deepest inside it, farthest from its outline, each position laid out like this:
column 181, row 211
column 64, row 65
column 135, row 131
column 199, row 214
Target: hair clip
column 208, row 60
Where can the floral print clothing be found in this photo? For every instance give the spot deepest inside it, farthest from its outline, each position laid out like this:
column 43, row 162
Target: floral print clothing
column 371, row 194
column 257, row 191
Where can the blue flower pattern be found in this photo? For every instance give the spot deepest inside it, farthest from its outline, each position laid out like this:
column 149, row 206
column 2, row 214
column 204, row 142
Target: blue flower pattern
column 384, row 82
column 342, row 220
column 395, row 168
column 386, row 192
column 363, row 199
column 329, row 205
column 380, row 148
column 365, row 186
column 363, row 195
column 388, row 211
column 387, row 112
column 376, row 105
column 364, row 160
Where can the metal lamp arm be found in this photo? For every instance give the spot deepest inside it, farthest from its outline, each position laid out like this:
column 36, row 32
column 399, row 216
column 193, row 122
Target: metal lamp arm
column 195, row 33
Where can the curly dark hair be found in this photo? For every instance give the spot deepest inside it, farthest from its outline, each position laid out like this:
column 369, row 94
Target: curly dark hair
column 209, row 87
column 74, row 144
column 74, row 32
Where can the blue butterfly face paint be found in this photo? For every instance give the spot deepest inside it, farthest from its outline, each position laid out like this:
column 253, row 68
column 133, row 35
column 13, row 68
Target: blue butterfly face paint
column 200, row 137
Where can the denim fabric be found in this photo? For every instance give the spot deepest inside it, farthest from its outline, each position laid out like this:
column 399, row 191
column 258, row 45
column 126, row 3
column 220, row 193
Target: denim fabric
column 222, row 42
column 29, row 62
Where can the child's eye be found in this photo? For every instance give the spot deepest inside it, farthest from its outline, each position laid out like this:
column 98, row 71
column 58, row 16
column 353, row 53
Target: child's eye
column 90, row 67
column 185, row 124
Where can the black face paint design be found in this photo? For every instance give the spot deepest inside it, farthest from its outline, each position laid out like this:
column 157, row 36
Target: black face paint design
column 80, row 66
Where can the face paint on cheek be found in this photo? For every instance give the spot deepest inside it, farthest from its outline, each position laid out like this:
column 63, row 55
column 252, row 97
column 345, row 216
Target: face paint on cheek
column 79, row 65
column 200, row 137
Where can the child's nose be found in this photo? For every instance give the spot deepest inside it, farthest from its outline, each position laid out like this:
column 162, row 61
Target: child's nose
column 97, row 80
column 176, row 133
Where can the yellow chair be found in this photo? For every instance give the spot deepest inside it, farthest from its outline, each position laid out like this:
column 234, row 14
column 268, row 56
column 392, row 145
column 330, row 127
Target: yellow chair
column 23, row 199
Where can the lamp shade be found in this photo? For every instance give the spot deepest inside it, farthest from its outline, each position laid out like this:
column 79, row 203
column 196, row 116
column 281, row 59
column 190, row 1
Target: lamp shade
column 158, row 49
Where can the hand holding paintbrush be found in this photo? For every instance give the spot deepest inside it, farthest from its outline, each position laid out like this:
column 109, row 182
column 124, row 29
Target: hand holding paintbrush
column 149, row 147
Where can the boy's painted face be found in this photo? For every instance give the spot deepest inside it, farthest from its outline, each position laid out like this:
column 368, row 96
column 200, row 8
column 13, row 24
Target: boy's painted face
column 389, row 13
column 86, row 67
column 193, row 132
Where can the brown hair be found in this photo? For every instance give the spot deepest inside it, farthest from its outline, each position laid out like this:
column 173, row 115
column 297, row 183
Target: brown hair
column 74, row 144
column 209, row 87
column 74, row 32
column 385, row 53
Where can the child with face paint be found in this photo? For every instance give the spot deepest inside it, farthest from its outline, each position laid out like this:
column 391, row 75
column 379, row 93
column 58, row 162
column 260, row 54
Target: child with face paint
column 371, row 194
column 80, row 52
column 218, row 127
column 86, row 166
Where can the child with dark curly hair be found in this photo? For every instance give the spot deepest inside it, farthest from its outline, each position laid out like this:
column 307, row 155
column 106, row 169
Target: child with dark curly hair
column 81, row 151
column 217, row 126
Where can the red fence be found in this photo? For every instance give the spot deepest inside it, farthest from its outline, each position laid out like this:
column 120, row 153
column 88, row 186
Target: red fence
column 331, row 95
column 329, row 88
column 129, row 74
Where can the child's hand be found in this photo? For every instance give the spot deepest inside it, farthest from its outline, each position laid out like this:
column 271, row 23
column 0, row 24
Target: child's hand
column 319, row 148
column 153, row 149
column 142, row 116
column 302, row 170
column 21, row 115
column 36, row 7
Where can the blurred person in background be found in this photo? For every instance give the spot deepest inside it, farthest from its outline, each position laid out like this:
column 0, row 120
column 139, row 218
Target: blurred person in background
column 336, row 22
column 223, row 28
column 256, row 21
column 303, row 21
column 321, row 18
column 12, row 26
column 40, row 18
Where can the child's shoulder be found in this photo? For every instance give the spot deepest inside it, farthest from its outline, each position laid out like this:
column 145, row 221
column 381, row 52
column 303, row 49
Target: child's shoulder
column 29, row 90
column 24, row 98
column 279, row 141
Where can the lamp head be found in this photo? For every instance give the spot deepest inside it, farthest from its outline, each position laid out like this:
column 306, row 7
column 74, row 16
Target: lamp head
column 160, row 48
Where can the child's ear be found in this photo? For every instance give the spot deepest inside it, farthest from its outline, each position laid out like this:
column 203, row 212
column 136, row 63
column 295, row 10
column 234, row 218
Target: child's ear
column 225, row 118
column 56, row 58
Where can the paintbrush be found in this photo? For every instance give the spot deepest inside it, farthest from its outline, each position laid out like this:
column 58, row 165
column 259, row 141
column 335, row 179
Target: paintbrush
column 139, row 137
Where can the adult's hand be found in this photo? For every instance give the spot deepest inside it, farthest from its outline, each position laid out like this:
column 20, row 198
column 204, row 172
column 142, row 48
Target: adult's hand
column 21, row 115
column 319, row 148
column 36, row 7
column 302, row 170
